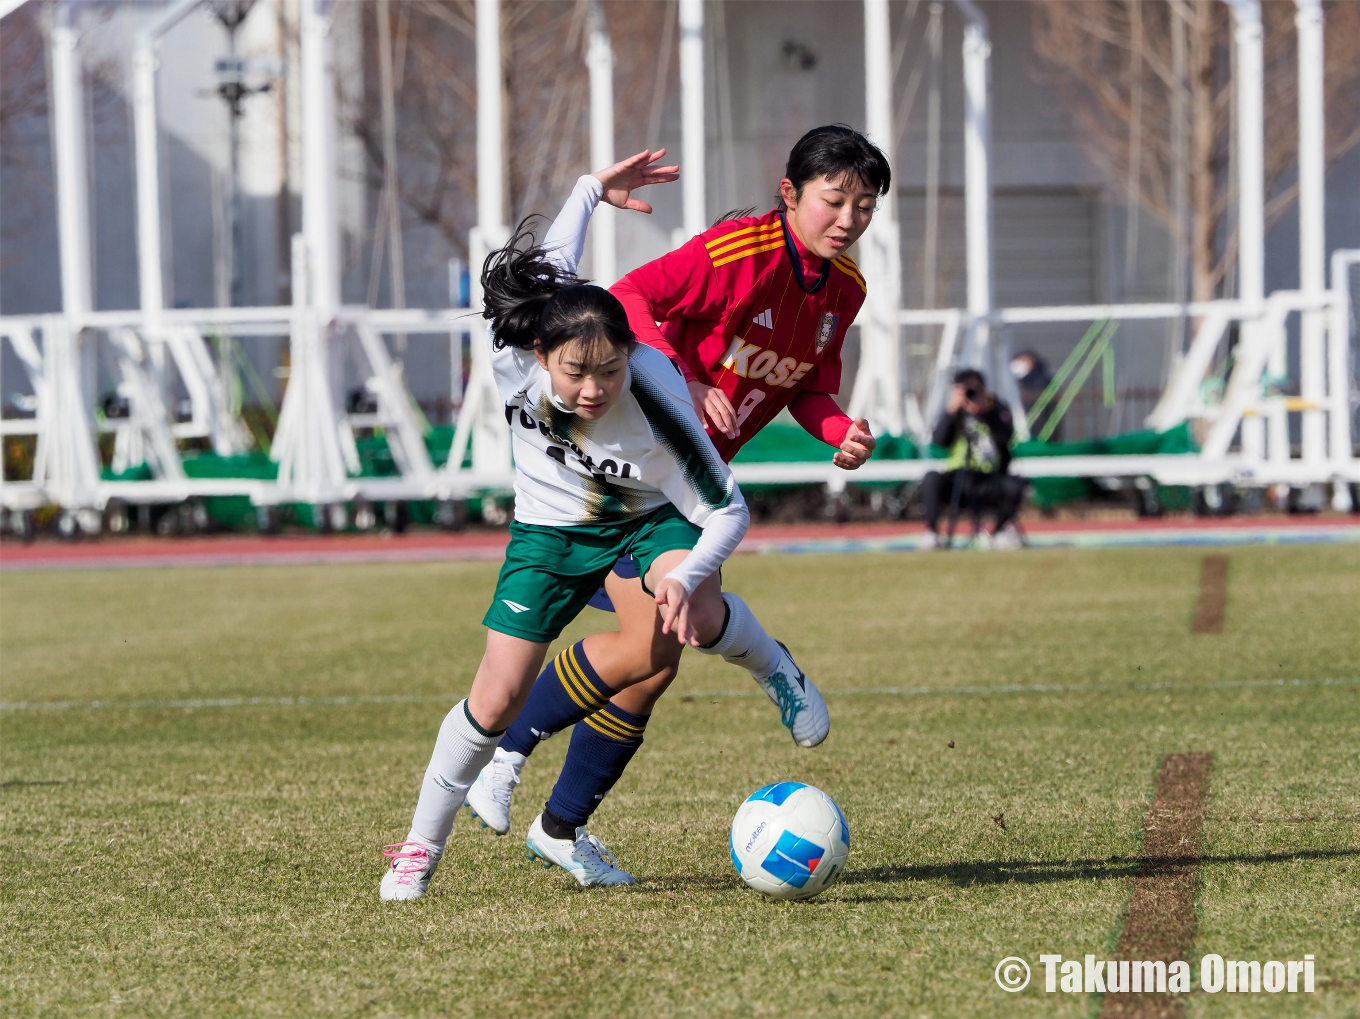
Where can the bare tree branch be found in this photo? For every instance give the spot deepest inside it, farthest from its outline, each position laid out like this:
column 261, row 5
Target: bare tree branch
column 1083, row 48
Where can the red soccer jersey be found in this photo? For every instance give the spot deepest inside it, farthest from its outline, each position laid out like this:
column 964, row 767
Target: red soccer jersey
column 742, row 314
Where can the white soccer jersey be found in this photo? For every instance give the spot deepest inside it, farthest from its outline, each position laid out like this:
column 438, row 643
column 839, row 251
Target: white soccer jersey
column 647, row 450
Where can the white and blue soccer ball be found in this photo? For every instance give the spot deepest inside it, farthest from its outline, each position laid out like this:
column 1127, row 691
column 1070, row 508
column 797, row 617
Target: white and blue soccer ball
column 789, row 840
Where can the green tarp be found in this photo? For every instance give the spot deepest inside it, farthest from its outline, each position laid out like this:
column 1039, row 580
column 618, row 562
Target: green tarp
column 778, row 442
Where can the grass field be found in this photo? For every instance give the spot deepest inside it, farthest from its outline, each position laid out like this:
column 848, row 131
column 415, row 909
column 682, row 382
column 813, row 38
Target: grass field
column 169, row 859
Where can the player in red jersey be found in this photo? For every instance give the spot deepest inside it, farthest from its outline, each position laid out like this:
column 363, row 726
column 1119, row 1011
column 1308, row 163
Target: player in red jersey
column 753, row 312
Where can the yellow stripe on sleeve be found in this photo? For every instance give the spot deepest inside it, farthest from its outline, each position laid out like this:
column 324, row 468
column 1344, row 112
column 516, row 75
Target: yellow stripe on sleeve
column 748, row 252
column 846, row 265
column 744, row 231
column 852, row 273
column 760, row 237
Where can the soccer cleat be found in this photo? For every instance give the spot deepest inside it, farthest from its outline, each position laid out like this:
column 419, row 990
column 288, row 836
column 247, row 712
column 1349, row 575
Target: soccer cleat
column 800, row 703
column 489, row 797
column 409, row 873
column 585, row 858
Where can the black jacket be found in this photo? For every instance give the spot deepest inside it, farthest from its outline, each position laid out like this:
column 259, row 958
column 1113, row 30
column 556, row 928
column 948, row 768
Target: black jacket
column 977, row 443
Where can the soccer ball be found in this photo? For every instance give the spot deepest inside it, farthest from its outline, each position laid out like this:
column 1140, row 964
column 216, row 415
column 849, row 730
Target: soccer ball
column 789, row 841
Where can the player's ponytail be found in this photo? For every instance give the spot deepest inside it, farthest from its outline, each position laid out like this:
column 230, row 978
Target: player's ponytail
column 533, row 302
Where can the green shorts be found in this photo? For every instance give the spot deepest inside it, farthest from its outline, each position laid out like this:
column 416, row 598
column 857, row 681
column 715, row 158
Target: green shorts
column 551, row 573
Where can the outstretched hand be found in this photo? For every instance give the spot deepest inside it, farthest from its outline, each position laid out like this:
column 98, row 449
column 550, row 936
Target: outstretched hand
column 856, row 447
column 672, row 601
column 626, row 176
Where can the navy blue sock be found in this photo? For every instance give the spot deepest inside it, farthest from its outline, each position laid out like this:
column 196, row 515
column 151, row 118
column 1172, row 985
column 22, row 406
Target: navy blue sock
column 564, row 693
column 601, row 747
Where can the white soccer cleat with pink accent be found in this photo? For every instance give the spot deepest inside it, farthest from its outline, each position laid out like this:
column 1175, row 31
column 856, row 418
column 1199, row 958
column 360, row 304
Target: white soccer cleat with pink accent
column 409, row 872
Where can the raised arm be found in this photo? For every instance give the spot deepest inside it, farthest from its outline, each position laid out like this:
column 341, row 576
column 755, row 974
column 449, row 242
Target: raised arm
column 614, row 185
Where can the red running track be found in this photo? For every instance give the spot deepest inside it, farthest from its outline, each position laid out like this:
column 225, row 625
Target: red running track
column 426, row 546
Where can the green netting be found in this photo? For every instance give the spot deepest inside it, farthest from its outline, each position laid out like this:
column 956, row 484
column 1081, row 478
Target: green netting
column 1048, row 492
column 777, row 442
column 788, row 442
column 375, row 461
column 142, row 472
column 233, row 512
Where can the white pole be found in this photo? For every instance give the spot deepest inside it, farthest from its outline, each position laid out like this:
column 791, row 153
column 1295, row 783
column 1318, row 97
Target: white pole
column 1312, row 228
column 68, row 142
column 490, row 129
column 977, row 156
column 488, row 434
column 1250, row 158
column 603, row 225
column 1251, row 218
column 319, row 214
column 977, row 143
column 1339, row 371
column 150, row 271
column 692, row 116
column 148, row 184
column 878, row 391
column 930, row 272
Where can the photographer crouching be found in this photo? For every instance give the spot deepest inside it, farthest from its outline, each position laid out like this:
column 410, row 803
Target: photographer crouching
column 977, row 432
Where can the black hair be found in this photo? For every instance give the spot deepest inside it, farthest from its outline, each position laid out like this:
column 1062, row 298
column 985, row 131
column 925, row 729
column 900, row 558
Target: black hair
column 535, row 304
column 836, row 152
column 732, row 214
column 967, row 375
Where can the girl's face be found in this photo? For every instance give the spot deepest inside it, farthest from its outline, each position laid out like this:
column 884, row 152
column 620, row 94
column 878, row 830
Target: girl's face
column 830, row 215
column 588, row 387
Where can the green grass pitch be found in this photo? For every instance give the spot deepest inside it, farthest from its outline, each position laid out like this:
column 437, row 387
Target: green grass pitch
column 172, row 860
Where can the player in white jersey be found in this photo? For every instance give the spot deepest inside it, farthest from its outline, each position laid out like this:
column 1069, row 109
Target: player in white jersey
column 610, row 461
column 608, row 737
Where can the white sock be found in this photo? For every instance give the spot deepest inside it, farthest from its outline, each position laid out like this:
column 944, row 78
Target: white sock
column 461, row 751
column 744, row 641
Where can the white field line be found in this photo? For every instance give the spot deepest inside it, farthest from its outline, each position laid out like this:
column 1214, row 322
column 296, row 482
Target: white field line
column 884, row 691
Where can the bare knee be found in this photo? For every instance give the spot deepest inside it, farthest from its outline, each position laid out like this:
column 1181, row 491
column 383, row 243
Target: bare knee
column 640, row 698
column 707, row 612
column 638, row 658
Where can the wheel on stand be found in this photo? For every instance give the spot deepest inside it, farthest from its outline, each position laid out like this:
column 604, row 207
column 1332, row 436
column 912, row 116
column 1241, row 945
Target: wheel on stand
column 22, row 525
column 68, row 528
column 450, row 514
column 117, row 520
column 267, row 519
column 396, row 516
column 1146, row 502
column 837, row 506
column 365, row 518
column 339, row 514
